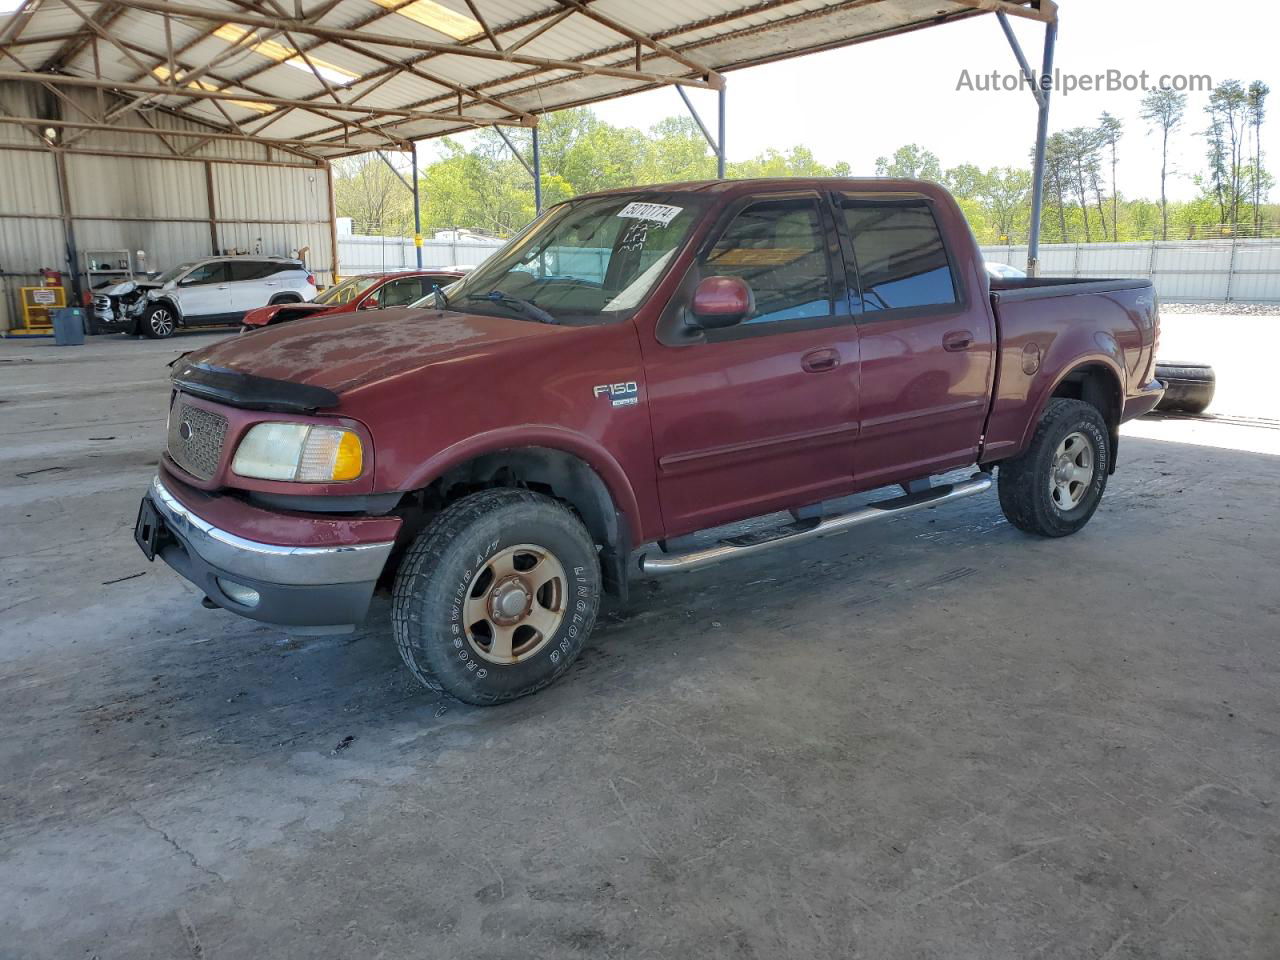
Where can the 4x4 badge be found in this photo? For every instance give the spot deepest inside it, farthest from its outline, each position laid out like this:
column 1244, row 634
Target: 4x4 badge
column 619, row 394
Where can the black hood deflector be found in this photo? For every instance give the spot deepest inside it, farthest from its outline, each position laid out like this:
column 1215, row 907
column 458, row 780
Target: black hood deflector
column 249, row 392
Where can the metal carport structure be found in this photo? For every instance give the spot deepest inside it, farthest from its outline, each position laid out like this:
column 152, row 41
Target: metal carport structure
column 290, row 85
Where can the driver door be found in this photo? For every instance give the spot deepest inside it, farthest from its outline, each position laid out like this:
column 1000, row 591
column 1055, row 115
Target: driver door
column 204, row 294
column 762, row 415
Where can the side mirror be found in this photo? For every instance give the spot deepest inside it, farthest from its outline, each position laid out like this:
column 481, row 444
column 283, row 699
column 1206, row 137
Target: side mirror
column 722, row 302
column 370, row 304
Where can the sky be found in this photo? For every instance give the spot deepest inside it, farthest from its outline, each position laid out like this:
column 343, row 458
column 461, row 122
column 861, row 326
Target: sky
column 862, row 102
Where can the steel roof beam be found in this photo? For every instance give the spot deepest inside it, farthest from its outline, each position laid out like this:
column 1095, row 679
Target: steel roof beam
column 711, row 81
column 407, row 113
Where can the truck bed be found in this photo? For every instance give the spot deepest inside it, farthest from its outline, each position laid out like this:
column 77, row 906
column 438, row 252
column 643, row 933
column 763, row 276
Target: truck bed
column 1048, row 326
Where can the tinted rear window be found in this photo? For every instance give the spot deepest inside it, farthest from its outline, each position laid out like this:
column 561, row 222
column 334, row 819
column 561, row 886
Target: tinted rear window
column 900, row 256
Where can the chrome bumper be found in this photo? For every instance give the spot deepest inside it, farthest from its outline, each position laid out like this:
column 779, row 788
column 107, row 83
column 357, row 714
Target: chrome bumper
column 289, row 566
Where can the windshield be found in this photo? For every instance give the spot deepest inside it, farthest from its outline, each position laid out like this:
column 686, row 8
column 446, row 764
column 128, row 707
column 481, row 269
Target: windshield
column 173, row 273
column 346, row 291
column 586, row 261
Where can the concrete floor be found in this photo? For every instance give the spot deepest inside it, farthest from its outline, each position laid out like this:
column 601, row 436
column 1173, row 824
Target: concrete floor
column 934, row 738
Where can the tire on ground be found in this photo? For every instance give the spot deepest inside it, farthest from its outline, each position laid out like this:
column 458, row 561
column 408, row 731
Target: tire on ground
column 159, row 322
column 453, row 559
column 1188, row 387
column 1026, row 482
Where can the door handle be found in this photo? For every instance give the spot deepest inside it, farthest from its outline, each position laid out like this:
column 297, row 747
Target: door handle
column 820, row 361
column 222, row 287
column 957, row 340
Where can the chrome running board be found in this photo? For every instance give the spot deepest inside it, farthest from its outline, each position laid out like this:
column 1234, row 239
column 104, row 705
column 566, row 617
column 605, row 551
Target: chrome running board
column 749, row 544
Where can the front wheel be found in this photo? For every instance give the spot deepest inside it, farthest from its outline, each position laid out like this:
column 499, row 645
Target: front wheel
column 496, row 598
column 159, row 322
column 1055, row 485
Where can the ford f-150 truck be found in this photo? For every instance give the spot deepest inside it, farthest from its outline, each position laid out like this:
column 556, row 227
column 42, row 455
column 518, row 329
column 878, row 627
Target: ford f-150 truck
column 635, row 367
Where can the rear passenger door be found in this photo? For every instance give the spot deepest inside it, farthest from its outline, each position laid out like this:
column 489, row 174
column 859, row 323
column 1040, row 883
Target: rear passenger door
column 761, row 415
column 250, row 284
column 927, row 351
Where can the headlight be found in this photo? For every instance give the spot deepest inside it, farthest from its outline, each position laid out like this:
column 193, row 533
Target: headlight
column 299, row 451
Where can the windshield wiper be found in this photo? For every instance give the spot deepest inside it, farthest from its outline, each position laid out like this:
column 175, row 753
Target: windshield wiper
column 526, row 307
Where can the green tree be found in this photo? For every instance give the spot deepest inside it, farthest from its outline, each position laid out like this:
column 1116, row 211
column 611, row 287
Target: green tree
column 1227, row 110
column 1164, row 111
column 1110, row 130
column 1255, row 108
column 368, row 191
column 912, row 162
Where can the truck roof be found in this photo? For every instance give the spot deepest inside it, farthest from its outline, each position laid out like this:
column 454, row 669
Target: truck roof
column 750, row 185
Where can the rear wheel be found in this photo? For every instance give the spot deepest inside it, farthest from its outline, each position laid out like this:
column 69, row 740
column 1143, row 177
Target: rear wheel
column 496, row 598
column 1054, row 487
column 159, row 322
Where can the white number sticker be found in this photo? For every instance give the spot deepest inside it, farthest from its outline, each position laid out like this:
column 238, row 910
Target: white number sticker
column 655, row 212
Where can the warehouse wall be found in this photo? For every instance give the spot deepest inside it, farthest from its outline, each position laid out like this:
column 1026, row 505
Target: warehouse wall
column 130, row 192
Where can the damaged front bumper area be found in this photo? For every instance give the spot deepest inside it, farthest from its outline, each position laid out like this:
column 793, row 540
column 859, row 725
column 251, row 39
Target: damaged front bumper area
column 326, row 580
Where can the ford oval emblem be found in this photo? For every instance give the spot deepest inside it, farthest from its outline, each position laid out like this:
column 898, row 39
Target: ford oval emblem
column 184, row 430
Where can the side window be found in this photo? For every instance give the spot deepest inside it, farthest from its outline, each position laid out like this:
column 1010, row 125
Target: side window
column 779, row 249
column 398, row 293
column 204, row 274
column 901, row 259
column 248, row 269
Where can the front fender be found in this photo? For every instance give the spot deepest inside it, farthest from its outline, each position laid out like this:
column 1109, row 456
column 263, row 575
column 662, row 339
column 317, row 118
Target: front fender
column 548, row 436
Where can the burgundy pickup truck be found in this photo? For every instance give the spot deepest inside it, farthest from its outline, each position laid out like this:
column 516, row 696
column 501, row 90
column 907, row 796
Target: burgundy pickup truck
column 635, row 367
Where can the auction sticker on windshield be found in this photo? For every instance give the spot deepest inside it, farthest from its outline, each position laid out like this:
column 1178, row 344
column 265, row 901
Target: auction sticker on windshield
column 657, row 212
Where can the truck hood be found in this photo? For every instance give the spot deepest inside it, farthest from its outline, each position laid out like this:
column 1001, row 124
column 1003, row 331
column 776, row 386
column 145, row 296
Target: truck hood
column 343, row 351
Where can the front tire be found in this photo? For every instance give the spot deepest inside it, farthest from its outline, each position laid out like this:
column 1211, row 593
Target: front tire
column 160, row 322
column 1053, row 488
column 495, row 599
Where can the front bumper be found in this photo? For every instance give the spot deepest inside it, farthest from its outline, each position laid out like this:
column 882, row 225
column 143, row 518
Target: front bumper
column 303, row 586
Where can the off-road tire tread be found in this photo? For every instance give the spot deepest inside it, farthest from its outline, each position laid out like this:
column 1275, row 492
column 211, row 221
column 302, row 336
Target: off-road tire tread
column 1021, row 487
column 422, row 560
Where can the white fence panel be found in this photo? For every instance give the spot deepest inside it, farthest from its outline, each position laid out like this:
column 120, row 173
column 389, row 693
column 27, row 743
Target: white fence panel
column 1187, row 271
column 364, row 254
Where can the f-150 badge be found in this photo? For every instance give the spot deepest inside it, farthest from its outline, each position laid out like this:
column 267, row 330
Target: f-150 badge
column 620, row 394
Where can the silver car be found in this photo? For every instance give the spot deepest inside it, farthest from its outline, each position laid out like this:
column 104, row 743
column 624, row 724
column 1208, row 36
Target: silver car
column 215, row 290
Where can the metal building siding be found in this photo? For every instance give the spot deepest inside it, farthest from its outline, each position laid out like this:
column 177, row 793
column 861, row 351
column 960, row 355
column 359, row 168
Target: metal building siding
column 29, row 184
column 270, row 194
column 283, row 240
column 106, row 187
column 165, row 243
column 27, row 244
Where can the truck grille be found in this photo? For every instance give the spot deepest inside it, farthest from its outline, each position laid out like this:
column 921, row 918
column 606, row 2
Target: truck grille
column 195, row 438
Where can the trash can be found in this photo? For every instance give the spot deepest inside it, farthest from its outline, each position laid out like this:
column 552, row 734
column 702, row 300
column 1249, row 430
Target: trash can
column 68, row 326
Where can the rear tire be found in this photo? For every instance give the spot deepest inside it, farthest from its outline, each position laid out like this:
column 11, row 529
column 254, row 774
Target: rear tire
column 1188, row 387
column 160, row 322
column 495, row 599
column 1053, row 488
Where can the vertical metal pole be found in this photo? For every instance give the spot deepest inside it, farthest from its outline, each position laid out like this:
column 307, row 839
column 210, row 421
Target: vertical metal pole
column 1042, row 135
column 68, row 227
column 720, row 138
column 537, row 175
column 417, row 206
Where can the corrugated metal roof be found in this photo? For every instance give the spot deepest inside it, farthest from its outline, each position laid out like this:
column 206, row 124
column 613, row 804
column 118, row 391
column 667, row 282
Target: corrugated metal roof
column 433, row 60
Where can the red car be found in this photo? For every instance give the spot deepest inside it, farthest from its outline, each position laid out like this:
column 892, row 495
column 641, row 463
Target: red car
column 370, row 291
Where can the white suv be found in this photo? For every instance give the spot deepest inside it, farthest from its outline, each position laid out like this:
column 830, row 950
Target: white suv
column 215, row 290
